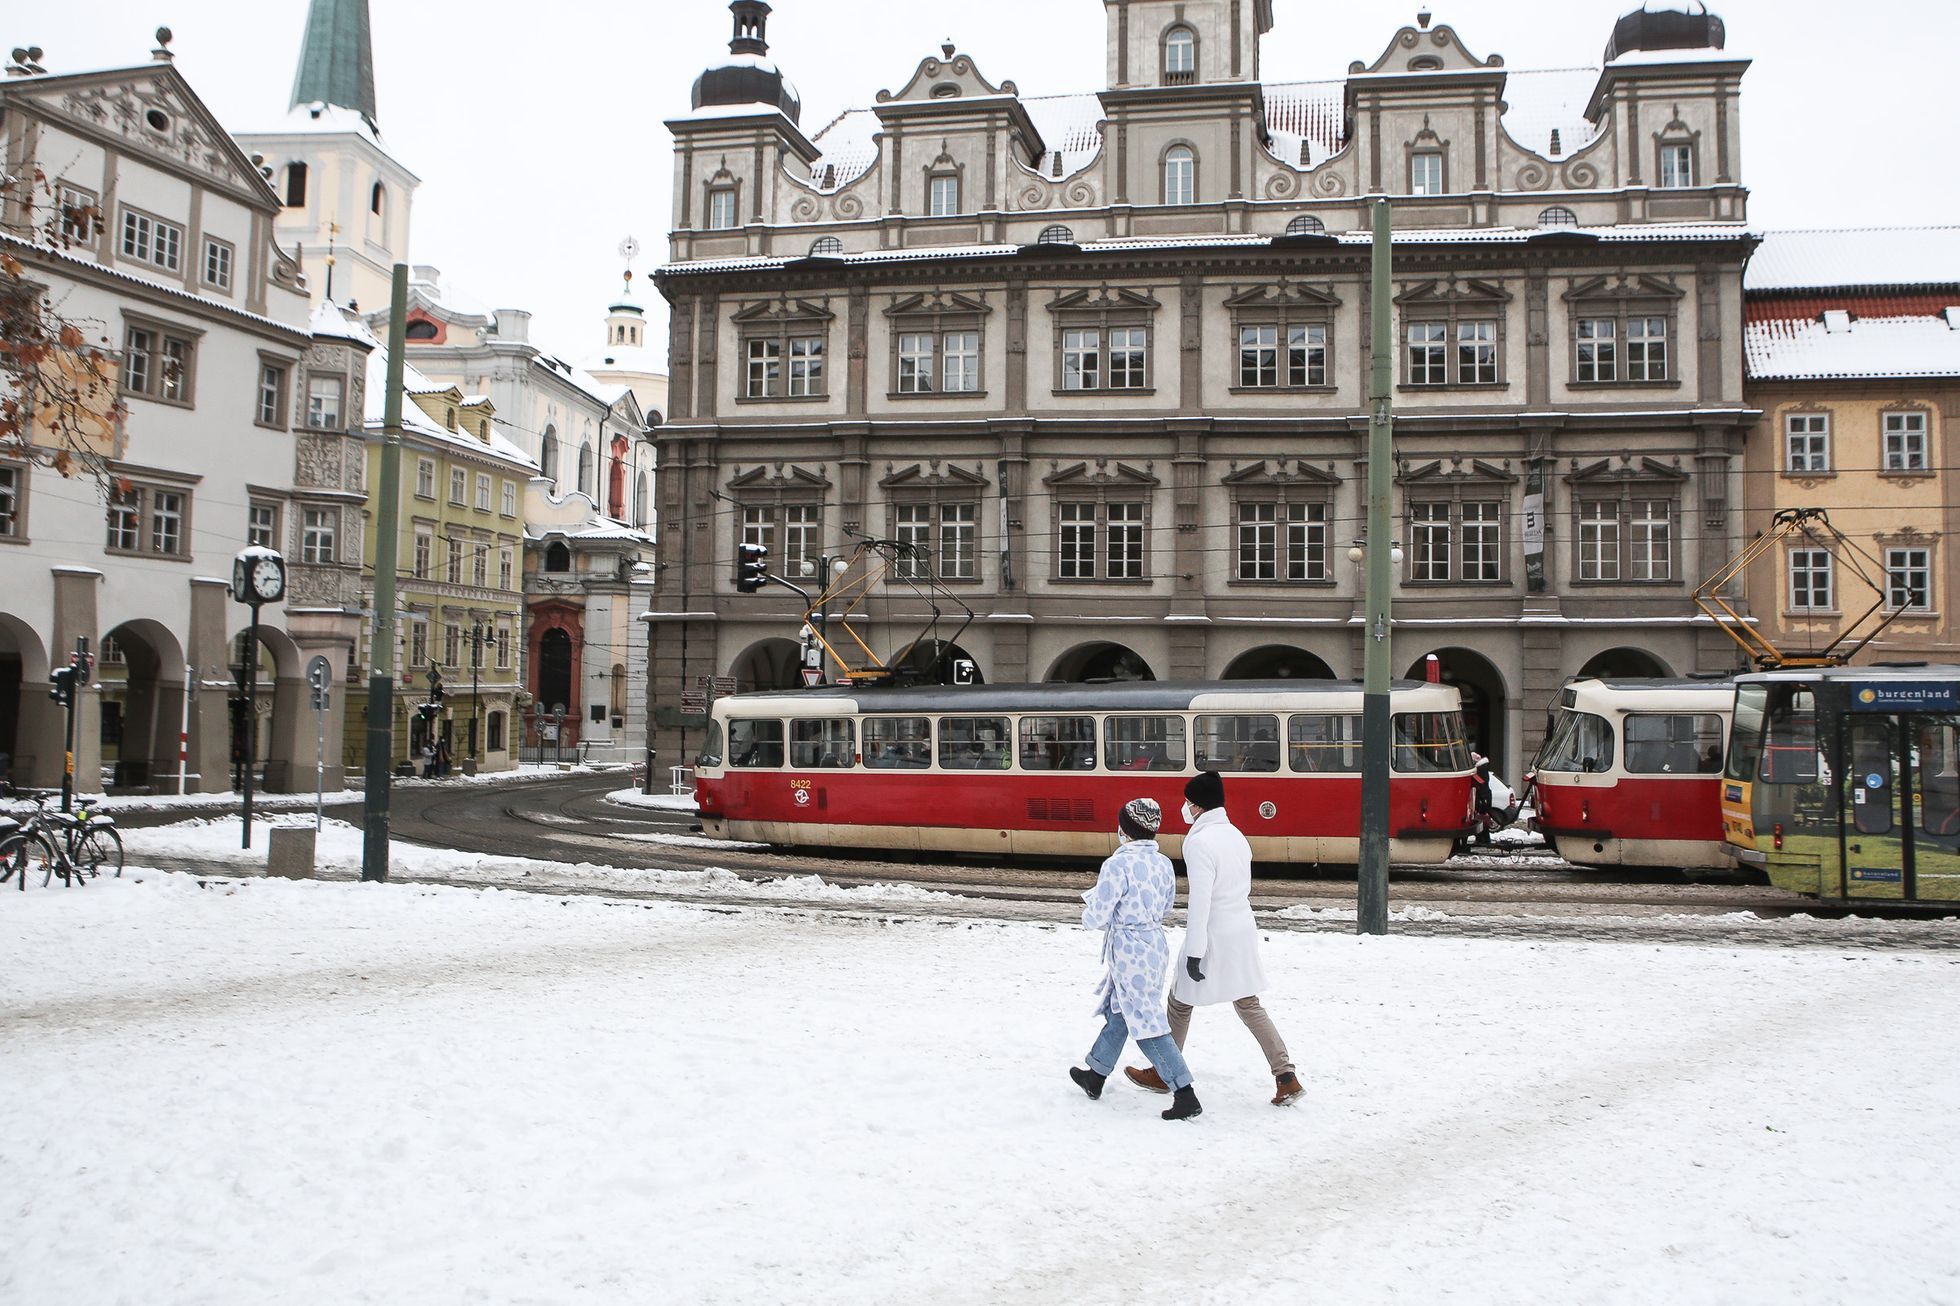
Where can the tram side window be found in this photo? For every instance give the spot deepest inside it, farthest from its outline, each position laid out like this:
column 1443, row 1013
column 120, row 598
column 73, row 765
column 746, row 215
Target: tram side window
column 755, row 743
column 1323, row 743
column 1430, row 741
column 1238, row 743
column 820, row 742
column 902, row 742
column 1937, row 767
column 1144, row 743
column 1790, row 738
column 1674, row 743
column 1581, row 741
column 1058, row 743
column 975, row 743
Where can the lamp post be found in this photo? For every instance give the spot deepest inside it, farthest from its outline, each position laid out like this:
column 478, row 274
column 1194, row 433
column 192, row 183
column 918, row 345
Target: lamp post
column 480, row 639
column 1371, row 884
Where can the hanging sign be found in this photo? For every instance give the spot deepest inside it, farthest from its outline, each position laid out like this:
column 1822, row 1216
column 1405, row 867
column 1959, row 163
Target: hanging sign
column 1534, row 529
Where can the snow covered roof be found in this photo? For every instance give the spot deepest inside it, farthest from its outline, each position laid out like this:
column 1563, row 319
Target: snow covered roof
column 628, row 358
column 1848, row 349
column 1855, row 258
column 1070, row 127
column 176, row 291
column 334, row 322
column 1310, row 112
column 324, row 120
column 1635, row 58
column 607, row 393
column 418, row 423
column 1539, row 103
column 849, row 148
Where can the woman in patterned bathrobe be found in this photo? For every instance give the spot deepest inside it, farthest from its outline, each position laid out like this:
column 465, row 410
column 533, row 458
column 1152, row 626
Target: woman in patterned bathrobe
column 1132, row 896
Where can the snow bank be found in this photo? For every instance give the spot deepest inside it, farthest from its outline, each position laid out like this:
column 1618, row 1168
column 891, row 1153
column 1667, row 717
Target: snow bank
column 661, row 802
column 310, row 1092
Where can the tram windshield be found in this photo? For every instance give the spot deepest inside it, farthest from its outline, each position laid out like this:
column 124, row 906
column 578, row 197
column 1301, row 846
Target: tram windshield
column 1674, row 743
column 1579, row 741
column 1773, row 739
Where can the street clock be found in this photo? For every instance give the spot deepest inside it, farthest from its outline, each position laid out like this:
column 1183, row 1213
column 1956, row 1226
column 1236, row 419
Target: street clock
column 258, row 576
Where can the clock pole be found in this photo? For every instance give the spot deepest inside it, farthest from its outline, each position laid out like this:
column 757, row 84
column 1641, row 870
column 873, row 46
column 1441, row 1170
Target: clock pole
column 381, row 668
column 251, row 717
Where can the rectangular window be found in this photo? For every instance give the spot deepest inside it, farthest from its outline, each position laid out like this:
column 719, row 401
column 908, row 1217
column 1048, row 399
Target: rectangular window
column 506, row 563
column 765, row 368
column 272, row 387
column 1673, row 743
column 945, row 197
column 1058, row 743
column 425, row 553
column 958, row 541
column 1259, row 356
column 721, row 209
column 483, row 492
column 1426, row 173
column 323, row 402
column 166, row 522
column 903, row 742
column 1811, row 580
column 175, row 378
column 1476, row 353
column 801, row 526
column 1144, row 743
column 80, row 214
column 1807, row 442
column 126, row 520
column 12, row 481
column 1651, row 535
column 152, row 240
column 139, row 360
column 1677, row 166
column 217, row 264
column 1429, row 528
column 509, row 508
column 1125, row 541
column 759, row 527
column 1597, row 358
column 1481, row 542
column 1078, row 541
column 418, row 643
column 913, row 523
column 916, row 366
column 1909, row 578
column 1237, row 743
column 1323, row 743
column 821, row 742
column 1646, row 349
column 1905, row 442
column 157, row 364
column 1428, row 353
column 262, row 525
column 1082, row 359
column 318, row 527
column 1599, row 540
column 459, row 486
column 479, row 565
column 1126, row 358
column 805, row 366
column 1258, row 541
column 1306, row 355
column 452, row 644
column 503, row 644
column 455, row 569
column 1306, row 541
column 962, row 361
column 975, row 743
column 425, row 478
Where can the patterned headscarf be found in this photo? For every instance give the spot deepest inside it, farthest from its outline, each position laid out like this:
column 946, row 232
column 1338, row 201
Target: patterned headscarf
column 1140, row 818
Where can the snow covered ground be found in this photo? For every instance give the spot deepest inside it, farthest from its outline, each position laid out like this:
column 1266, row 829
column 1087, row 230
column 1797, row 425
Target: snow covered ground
column 309, row 1092
column 661, row 802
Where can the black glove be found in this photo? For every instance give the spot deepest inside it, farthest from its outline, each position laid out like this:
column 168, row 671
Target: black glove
column 1191, row 969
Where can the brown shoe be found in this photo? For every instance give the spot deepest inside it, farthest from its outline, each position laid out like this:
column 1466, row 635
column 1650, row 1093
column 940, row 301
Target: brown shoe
column 1286, row 1089
column 1147, row 1077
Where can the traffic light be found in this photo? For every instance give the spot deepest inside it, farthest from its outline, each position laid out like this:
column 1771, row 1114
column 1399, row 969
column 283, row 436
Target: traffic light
column 751, row 567
column 427, row 711
column 63, row 690
column 435, row 682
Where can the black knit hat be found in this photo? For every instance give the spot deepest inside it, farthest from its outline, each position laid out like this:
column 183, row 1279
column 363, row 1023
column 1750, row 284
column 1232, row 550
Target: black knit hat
column 1206, row 790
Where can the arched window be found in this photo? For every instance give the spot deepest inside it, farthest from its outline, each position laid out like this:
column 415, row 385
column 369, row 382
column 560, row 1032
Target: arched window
column 422, row 329
column 1180, row 56
column 826, row 245
column 296, row 185
column 585, row 469
column 640, row 504
column 1305, row 225
column 548, row 456
column 1057, row 234
column 375, row 197
column 1558, row 216
column 557, row 556
column 1180, row 175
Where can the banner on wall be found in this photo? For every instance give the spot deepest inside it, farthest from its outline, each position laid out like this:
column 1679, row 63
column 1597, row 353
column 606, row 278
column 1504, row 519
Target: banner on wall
column 1534, row 529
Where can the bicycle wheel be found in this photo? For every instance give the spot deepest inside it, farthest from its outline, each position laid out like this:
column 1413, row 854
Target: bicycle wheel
column 22, row 852
column 99, row 849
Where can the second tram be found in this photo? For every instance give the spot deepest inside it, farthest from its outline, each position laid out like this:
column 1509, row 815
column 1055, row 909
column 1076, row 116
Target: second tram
column 1043, row 769
column 1630, row 773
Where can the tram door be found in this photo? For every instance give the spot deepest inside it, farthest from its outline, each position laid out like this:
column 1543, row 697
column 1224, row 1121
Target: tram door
column 1933, row 807
column 1877, row 852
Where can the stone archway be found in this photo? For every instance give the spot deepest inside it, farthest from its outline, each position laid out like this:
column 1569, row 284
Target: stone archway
column 1100, row 661
column 139, row 676
column 1278, row 662
column 287, row 739
column 30, row 724
column 768, row 664
column 1481, row 685
column 936, row 662
column 1624, row 663
column 556, row 647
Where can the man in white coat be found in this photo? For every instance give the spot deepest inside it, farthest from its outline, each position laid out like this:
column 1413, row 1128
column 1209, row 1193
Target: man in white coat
column 1220, row 956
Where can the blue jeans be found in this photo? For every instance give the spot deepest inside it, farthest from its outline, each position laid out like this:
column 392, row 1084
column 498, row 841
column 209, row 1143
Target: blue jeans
column 1161, row 1050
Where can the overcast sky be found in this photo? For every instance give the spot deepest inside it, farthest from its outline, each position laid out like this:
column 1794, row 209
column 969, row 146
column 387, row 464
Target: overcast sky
column 537, row 128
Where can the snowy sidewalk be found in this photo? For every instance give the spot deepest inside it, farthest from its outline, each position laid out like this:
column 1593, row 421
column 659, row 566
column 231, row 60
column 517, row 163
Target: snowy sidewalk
column 306, row 1092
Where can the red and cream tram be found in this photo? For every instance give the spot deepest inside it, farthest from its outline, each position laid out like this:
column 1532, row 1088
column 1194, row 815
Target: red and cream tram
column 1042, row 769
column 1631, row 772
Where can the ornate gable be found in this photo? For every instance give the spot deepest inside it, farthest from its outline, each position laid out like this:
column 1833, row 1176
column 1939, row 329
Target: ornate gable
column 1433, row 50
column 929, row 475
column 1285, row 294
column 1102, row 299
column 1625, row 287
column 1101, row 476
column 776, row 478
column 937, row 302
column 1456, row 471
column 953, row 76
column 1606, row 472
column 1280, row 473
column 1452, row 293
column 782, row 309
column 151, row 113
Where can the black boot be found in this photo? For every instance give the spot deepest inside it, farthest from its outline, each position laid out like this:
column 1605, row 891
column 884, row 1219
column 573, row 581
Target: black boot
column 1184, row 1105
column 1088, row 1081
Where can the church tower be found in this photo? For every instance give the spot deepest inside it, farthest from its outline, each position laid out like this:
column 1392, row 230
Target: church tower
column 346, row 198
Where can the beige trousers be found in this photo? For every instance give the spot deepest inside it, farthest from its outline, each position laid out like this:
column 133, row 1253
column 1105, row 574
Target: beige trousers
column 1255, row 1019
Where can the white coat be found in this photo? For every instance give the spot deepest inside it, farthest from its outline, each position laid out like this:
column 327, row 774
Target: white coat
column 1219, row 929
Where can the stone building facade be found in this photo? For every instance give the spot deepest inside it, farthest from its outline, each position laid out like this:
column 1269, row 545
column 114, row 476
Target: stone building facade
column 1103, row 359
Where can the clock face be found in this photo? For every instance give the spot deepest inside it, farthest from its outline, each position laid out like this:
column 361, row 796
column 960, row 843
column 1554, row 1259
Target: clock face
column 268, row 580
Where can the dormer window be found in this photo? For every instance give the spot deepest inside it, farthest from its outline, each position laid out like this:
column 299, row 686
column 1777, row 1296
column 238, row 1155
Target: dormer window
column 943, row 195
column 1677, row 165
column 1180, row 56
column 721, row 208
column 1180, row 175
column 1426, row 172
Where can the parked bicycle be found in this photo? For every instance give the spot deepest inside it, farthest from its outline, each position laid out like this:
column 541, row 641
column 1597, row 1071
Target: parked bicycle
column 77, row 846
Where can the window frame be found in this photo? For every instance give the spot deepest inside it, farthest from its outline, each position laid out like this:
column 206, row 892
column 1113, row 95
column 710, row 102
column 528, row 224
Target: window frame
column 459, row 486
column 281, row 372
column 1623, row 496
column 1669, row 145
column 1183, row 193
column 229, row 252
column 940, row 320
column 717, row 192
column 145, row 523
column 938, row 506
column 1818, row 437
column 1429, row 154
column 16, row 481
column 1098, row 500
column 1921, row 436
column 1282, row 503
column 338, row 385
column 1452, row 315
column 783, row 338
column 89, row 210
column 253, row 509
column 507, row 507
column 1452, row 498
column 1622, row 306
column 1104, row 323
column 319, row 544
column 422, row 551
column 153, row 228
column 1811, row 570
column 1168, row 75
column 425, row 479
column 1894, row 568
column 936, row 178
column 154, row 385
column 1285, row 318
column 483, row 491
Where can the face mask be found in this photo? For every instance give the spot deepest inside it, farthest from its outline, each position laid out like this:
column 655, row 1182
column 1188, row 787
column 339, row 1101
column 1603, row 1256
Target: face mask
column 1191, row 813
column 1121, row 838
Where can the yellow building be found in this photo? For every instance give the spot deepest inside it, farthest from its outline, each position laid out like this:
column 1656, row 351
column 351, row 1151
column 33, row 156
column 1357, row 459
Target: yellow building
column 1853, row 341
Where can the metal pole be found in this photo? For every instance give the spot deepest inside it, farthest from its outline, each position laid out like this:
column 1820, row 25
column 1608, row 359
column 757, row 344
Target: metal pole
column 320, row 766
column 74, row 703
column 184, row 731
column 251, row 719
column 1371, row 890
column 476, row 697
column 381, row 672
column 646, row 708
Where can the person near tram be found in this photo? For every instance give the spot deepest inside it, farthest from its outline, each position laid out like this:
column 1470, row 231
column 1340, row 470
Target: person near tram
column 1220, row 956
column 1132, row 895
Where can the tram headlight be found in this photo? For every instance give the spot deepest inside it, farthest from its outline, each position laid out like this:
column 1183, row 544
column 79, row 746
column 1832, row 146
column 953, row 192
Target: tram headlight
column 1776, row 836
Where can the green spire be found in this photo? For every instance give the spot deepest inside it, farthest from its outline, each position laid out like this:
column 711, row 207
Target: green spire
column 336, row 60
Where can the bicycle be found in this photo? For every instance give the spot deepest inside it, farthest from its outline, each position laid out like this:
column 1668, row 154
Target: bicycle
column 78, row 846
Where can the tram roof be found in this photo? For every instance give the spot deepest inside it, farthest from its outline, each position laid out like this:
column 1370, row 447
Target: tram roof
column 1889, row 671
column 1123, row 695
column 1656, row 682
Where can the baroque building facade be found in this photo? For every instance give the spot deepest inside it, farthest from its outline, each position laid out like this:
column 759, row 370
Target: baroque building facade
column 1101, row 360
